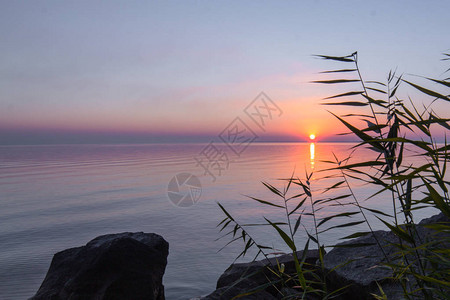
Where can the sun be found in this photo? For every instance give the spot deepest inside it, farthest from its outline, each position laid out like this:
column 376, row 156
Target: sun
column 312, row 136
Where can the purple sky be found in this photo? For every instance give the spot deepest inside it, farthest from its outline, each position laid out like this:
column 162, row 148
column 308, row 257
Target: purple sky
column 159, row 71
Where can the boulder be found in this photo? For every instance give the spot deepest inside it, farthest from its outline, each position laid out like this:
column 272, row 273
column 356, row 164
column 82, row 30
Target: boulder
column 358, row 268
column 240, row 278
column 227, row 292
column 362, row 267
column 114, row 266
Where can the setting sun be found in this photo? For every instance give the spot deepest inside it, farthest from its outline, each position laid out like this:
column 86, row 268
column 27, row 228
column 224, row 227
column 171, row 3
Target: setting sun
column 312, row 136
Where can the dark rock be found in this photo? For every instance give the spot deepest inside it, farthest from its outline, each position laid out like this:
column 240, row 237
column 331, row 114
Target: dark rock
column 226, row 293
column 256, row 269
column 359, row 268
column 290, row 293
column 243, row 277
column 362, row 267
column 114, row 266
column 434, row 219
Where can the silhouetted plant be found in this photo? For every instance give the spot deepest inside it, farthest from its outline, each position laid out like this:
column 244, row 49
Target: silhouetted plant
column 393, row 127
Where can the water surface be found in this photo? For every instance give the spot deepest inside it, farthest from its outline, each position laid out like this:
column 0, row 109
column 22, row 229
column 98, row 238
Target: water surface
column 61, row 196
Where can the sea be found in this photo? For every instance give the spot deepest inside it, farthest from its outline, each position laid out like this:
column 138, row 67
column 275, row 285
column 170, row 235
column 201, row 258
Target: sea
column 54, row 197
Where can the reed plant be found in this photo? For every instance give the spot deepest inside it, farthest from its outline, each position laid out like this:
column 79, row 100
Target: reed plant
column 394, row 129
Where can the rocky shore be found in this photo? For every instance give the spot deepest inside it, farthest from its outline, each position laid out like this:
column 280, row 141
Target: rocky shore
column 131, row 266
column 114, row 266
column 359, row 268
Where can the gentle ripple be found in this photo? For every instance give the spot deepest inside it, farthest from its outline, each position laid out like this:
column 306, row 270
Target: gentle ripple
column 56, row 197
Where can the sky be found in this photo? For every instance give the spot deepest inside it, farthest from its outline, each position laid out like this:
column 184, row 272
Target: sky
column 182, row 71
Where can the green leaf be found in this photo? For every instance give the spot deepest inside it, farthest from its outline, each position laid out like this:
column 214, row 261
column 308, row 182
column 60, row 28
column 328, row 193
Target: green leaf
column 307, row 191
column 333, row 186
column 291, row 179
column 348, row 58
column 362, row 164
column 298, row 206
column 347, row 103
column 376, row 82
column 446, row 83
column 439, row 180
column 408, row 195
column 381, row 103
column 412, row 174
column 400, row 156
column 236, row 227
column 339, row 71
column 439, row 227
column 437, row 199
column 336, row 81
column 297, row 223
column 312, row 238
column 433, row 280
column 440, row 121
column 225, row 211
column 376, row 211
column 427, row 91
column 345, row 95
column 398, row 231
column 393, row 92
column 340, row 197
column 373, row 127
column 358, row 115
column 420, row 144
column 344, row 214
column 225, row 225
column 350, row 224
column 283, row 235
column 376, row 90
column 273, row 189
column 266, row 202
column 365, row 137
column 414, row 120
column 355, row 235
column 295, row 196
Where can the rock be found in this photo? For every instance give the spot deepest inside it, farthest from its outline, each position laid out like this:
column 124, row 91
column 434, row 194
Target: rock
column 226, row 293
column 362, row 267
column 114, row 266
column 243, row 277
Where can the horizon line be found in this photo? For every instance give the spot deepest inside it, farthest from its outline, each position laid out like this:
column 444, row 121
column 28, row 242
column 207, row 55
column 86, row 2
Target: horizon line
column 173, row 142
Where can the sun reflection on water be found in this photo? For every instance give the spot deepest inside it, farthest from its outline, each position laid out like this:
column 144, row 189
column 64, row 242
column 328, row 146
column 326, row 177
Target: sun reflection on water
column 312, row 154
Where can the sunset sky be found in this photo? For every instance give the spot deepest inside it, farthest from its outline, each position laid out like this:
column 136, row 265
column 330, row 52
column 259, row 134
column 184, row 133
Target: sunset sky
column 165, row 71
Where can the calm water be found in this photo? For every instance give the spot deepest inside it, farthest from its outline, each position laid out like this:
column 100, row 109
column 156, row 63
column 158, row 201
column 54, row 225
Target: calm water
column 56, row 197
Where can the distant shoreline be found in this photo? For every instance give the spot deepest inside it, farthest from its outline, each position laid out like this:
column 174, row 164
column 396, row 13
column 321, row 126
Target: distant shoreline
column 177, row 143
